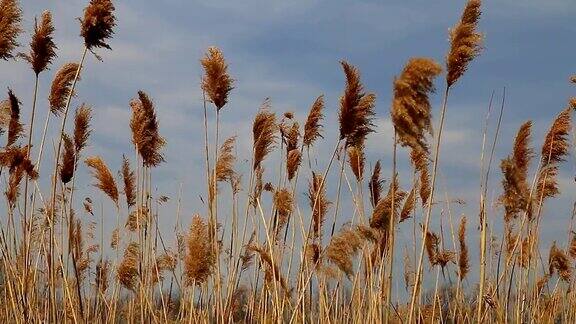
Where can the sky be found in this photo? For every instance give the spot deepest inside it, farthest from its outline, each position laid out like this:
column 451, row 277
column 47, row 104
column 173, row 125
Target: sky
column 289, row 51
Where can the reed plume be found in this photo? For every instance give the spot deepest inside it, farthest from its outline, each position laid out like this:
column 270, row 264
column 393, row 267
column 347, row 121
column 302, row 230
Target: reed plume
column 104, row 178
column 15, row 128
column 145, row 133
column 293, row 163
column 128, row 270
column 272, row 270
column 129, row 179
column 42, row 47
column 216, row 82
column 16, row 160
column 313, row 127
column 515, row 170
column 383, row 211
column 344, row 246
column 356, row 108
column 101, row 278
column 82, row 131
column 411, row 109
column 554, row 151
column 420, row 160
column 200, row 259
column 290, row 136
column 465, row 42
column 356, row 159
column 432, row 247
column 572, row 248
column 375, row 184
column 62, row 87
column 264, row 133
column 98, row 23
column 284, row 204
column 10, row 19
column 225, row 162
column 318, row 202
column 409, row 204
column 463, row 259
column 558, row 263
column 68, row 160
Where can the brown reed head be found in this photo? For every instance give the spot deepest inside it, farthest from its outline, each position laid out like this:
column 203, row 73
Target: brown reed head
column 432, row 247
column 357, row 159
column 42, row 47
column 62, row 87
column 554, row 150
column 16, row 159
column 344, row 246
column 104, row 179
column 216, row 82
column 463, row 258
column 10, row 19
column 129, row 179
column 82, row 131
column 312, row 128
column 145, row 130
column 225, row 162
column 68, row 160
column 388, row 206
column 559, row 263
column 128, row 270
column 15, row 129
column 318, row 203
column 284, row 204
column 98, row 23
column 515, row 170
column 199, row 261
column 465, row 42
column 102, row 273
column 356, row 108
column 421, row 162
column 375, row 185
column 409, row 203
column 411, row 110
column 293, row 161
column 264, row 133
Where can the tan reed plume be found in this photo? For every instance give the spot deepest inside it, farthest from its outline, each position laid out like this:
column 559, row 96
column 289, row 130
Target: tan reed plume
column 290, row 135
column 137, row 219
column 465, row 42
column 272, row 270
column 225, row 163
column 10, row 18
column 375, row 184
column 554, row 151
column 356, row 159
column 128, row 271
column 383, row 211
column 421, row 163
column 284, row 204
column 345, row 245
column 293, row 161
column 200, row 259
column 313, row 126
column 463, row 258
column 319, row 203
column 68, row 160
column 356, row 108
column 82, row 131
column 61, row 87
column 105, row 180
column 409, row 204
column 42, row 47
column 216, row 82
column 145, row 132
column 515, row 170
column 432, row 247
column 264, row 133
column 129, row 179
column 411, row 109
column 15, row 129
column 97, row 25
column 16, row 160
column 558, row 262
column 444, row 257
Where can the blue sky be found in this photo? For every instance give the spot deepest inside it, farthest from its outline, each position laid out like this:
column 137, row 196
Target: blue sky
column 289, row 51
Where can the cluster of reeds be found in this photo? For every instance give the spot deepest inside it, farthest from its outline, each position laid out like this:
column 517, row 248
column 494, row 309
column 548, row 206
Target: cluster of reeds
column 266, row 247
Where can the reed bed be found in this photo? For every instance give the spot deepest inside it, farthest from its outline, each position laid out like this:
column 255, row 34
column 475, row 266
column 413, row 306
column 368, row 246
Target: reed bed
column 260, row 250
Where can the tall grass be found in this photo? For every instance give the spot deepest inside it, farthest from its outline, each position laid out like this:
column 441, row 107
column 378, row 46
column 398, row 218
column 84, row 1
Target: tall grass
column 260, row 251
